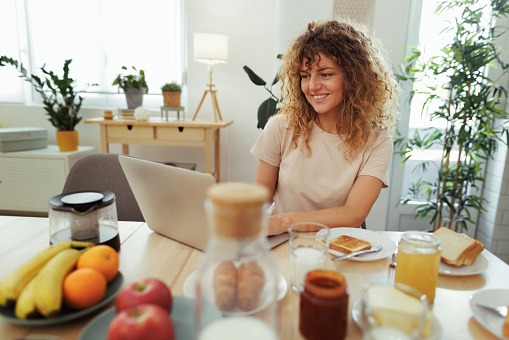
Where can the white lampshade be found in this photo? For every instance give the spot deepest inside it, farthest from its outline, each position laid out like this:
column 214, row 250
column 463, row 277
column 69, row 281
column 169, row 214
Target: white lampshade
column 210, row 48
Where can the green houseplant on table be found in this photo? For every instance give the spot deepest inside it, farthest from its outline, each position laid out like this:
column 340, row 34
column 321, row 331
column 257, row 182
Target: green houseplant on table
column 468, row 102
column 171, row 94
column 61, row 102
column 134, row 86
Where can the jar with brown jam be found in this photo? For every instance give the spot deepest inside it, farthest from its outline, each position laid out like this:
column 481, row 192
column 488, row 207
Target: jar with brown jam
column 323, row 306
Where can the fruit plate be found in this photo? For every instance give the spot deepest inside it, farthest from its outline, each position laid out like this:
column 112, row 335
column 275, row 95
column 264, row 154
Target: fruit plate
column 182, row 315
column 67, row 314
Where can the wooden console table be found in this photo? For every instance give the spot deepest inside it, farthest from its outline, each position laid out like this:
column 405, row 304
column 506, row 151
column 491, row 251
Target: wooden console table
column 156, row 131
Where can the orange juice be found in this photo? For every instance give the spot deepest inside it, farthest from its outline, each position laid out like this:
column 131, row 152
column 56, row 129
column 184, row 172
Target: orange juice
column 418, row 262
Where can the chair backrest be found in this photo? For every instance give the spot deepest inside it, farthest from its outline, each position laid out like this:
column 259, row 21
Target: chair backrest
column 102, row 171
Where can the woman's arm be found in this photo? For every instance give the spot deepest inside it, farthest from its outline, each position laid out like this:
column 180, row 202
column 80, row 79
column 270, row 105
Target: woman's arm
column 266, row 175
column 360, row 200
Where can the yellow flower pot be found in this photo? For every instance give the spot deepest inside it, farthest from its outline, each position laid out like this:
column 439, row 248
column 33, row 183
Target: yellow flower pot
column 68, row 140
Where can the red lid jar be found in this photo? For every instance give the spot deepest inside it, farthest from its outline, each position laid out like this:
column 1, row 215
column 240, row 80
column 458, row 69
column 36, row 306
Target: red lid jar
column 323, row 306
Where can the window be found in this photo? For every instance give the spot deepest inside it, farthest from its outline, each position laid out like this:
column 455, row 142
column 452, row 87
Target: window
column 100, row 36
column 427, row 31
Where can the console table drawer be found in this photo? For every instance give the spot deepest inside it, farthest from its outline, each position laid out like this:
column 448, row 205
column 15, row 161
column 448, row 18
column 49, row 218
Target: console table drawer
column 187, row 134
column 135, row 132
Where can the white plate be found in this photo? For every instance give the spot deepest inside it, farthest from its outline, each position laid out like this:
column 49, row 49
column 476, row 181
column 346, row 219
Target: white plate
column 434, row 331
column 190, row 283
column 388, row 245
column 492, row 298
column 480, row 264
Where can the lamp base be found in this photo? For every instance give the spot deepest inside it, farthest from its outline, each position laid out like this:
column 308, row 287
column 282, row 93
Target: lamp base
column 215, row 105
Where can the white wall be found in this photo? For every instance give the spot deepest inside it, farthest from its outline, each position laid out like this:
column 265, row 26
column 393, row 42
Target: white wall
column 257, row 31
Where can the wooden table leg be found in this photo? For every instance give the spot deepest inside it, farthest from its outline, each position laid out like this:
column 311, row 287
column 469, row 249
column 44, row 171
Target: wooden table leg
column 208, row 151
column 125, row 149
column 104, row 140
column 217, row 161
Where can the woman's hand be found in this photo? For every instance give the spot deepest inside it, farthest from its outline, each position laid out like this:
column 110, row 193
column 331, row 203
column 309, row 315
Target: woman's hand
column 279, row 224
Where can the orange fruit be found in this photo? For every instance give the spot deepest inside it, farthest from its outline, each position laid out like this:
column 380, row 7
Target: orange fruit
column 102, row 258
column 84, row 288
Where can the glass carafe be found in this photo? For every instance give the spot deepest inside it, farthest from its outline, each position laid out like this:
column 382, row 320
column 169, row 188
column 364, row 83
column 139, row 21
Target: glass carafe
column 237, row 273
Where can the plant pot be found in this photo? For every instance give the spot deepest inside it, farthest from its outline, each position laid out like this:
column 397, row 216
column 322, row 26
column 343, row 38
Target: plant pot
column 134, row 97
column 171, row 99
column 68, row 140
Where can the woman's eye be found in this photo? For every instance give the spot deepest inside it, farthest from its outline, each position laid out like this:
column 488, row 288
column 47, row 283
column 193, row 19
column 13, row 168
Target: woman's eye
column 326, row 75
column 303, row 76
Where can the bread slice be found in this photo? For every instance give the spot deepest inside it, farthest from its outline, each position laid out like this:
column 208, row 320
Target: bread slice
column 349, row 244
column 458, row 249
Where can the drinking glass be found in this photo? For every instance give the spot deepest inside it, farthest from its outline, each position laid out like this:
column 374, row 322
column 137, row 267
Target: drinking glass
column 418, row 262
column 309, row 244
column 399, row 312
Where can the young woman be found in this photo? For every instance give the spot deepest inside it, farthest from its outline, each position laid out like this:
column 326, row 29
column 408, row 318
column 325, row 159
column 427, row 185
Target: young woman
column 325, row 155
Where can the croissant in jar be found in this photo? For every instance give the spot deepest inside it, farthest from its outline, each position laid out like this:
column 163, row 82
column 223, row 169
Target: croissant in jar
column 225, row 285
column 250, row 281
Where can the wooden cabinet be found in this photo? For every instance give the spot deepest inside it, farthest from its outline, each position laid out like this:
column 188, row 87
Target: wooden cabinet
column 28, row 179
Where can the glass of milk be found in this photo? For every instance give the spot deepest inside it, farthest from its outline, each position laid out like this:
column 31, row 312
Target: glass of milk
column 309, row 244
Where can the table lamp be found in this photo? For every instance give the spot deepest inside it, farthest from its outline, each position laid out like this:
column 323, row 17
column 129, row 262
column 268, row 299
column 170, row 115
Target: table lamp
column 210, row 49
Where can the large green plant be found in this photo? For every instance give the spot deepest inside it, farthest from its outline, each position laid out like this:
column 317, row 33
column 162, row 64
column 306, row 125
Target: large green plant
column 61, row 102
column 268, row 107
column 468, row 101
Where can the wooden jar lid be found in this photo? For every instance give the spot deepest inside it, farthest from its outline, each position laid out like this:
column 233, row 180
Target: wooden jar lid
column 237, row 208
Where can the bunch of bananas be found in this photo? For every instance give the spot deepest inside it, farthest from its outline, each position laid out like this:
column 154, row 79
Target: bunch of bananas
column 35, row 288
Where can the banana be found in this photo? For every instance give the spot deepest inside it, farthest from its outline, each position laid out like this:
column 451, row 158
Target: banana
column 25, row 304
column 12, row 285
column 49, row 282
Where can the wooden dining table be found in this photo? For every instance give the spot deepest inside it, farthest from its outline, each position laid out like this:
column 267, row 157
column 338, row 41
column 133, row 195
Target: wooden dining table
column 145, row 253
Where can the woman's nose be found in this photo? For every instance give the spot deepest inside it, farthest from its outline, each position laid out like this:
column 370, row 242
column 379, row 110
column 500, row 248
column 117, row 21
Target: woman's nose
column 314, row 83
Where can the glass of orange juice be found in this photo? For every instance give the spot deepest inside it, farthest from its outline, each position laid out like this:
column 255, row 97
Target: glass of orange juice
column 418, row 262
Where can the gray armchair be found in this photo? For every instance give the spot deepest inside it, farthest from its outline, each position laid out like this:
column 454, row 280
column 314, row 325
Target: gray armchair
column 102, row 171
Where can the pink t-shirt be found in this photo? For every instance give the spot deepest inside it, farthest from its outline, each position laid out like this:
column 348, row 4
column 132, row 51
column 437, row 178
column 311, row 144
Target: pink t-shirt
column 324, row 179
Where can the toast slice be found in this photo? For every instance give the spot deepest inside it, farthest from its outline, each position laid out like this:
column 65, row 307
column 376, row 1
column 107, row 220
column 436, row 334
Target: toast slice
column 458, row 249
column 349, row 244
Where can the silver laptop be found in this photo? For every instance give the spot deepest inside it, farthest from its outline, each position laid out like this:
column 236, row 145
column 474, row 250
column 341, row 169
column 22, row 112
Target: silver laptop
column 172, row 200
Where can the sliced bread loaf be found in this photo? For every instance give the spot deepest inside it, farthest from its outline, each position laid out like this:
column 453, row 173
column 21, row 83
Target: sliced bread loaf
column 458, row 249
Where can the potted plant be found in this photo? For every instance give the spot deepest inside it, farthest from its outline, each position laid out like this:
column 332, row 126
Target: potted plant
column 61, row 102
column 171, row 94
column 468, row 102
column 269, row 106
column 134, row 86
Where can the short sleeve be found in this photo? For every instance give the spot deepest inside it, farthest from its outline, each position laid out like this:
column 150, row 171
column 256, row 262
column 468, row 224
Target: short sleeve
column 268, row 145
column 377, row 159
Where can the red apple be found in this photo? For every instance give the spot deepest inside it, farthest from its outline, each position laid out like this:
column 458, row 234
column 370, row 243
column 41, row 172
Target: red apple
column 148, row 290
column 144, row 321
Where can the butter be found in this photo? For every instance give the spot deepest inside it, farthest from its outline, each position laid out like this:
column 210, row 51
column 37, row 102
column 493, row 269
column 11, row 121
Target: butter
column 393, row 300
column 390, row 307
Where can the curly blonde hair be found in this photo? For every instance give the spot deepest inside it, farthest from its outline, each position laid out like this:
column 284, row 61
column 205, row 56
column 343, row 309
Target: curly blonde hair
column 370, row 87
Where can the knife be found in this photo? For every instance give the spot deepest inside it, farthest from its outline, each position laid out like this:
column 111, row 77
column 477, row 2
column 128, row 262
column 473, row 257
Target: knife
column 371, row 250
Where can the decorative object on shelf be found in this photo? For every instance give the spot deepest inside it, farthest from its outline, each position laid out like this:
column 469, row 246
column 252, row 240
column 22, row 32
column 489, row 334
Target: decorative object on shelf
column 461, row 95
column 171, row 94
column 61, row 103
column 141, row 113
column 108, row 115
column 126, row 114
column 268, row 107
column 210, row 49
column 134, row 86
column 166, row 109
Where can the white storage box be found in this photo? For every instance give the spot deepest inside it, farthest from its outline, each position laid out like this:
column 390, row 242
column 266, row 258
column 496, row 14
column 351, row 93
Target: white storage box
column 23, row 138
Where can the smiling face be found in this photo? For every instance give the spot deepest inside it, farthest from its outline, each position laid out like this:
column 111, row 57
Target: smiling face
column 322, row 83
